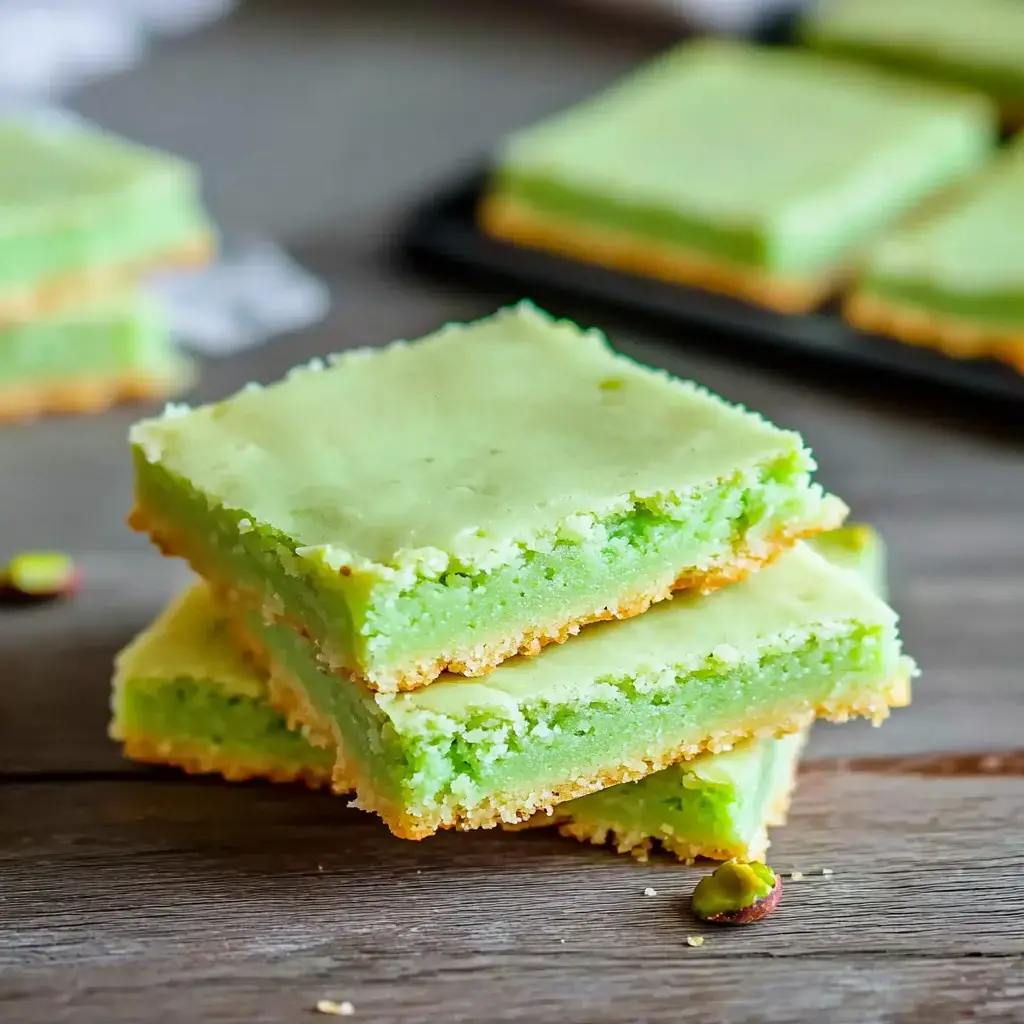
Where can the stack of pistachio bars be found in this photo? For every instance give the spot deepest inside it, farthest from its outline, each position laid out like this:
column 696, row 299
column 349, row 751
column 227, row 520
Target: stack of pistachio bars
column 504, row 575
column 83, row 216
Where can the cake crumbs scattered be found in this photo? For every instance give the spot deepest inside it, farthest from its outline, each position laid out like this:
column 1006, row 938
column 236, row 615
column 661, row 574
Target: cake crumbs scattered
column 827, row 871
column 695, row 940
column 796, row 875
column 329, row 1006
column 650, row 891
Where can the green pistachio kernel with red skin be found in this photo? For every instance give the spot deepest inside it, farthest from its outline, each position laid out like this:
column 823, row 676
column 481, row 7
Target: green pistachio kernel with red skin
column 737, row 893
column 35, row 576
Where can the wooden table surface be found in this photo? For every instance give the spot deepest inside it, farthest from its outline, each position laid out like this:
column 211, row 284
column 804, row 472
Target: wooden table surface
column 130, row 895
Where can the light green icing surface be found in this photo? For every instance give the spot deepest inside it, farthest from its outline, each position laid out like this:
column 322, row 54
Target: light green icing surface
column 190, row 641
column 976, row 42
column 857, row 547
column 409, row 503
column 123, row 333
column 967, row 257
column 769, row 157
column 72, row 198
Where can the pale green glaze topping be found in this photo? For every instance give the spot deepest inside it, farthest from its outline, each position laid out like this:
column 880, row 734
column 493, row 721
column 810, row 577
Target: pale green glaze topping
column 768, row 157
column 514, row 430
column 190, row 640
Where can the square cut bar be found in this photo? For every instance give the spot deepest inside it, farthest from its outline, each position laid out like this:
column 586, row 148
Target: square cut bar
column 973, row 43
column 83, row 213
column 86, row 358
column 798, row 640
column 753, row 172
column 954, row 279
column 446, row 504
column 721, row 805
column 184, row 696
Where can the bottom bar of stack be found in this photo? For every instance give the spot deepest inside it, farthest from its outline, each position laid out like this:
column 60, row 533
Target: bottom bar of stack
column 185, row 695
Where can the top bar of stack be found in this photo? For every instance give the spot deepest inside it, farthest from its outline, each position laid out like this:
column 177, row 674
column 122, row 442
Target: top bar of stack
column 448, row 504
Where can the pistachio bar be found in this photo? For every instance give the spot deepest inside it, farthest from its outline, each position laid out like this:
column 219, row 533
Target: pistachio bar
column 716, row 806
column 83, row 213
column 754, row 172
column 183, row 695
column 954, row 278
column 973, row 43
column 446, row 504
column 86, row 358
column 760, row 658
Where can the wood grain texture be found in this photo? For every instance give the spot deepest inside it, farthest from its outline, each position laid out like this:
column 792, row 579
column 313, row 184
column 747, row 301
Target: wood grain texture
column 128, row 894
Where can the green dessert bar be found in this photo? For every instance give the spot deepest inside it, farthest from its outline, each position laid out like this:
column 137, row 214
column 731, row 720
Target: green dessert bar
column 447, row 504
column 183, row 695
column 973, row 43
column 754, row 172
column 83, row 213
column 716, row 806
column 954, row 278
column 86, row 358
column 800, row 639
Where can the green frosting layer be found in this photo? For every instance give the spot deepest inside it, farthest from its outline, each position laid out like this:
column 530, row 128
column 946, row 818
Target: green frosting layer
column 126, row 333
column 415, row 504
column 965, row 258
column 976, row 43
column 772, row 158
column 72, row 199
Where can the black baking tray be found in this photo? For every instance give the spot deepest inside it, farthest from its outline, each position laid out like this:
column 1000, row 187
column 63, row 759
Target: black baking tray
column 442, row 234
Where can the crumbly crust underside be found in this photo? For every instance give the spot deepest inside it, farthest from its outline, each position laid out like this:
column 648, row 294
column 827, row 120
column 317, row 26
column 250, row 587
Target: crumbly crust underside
column 961, row 339
column 483, row 658
column 88, row 394
column 517, row 806
column 55, row 293
column 515, row 222
column 201, row 759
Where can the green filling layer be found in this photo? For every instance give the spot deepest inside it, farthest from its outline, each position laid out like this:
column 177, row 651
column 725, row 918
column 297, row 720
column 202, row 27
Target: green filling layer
column 126, row 334
column 975, row 43
column 72, row 199
column 666, row 155
column 221, row 724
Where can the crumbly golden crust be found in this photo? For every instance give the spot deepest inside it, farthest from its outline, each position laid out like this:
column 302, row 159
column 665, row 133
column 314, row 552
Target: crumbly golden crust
column 514, row 222
column 89, row 394
column 517, row 806
column 961, row 339
column 55, row 293
column 198, row 759
column 483, row 658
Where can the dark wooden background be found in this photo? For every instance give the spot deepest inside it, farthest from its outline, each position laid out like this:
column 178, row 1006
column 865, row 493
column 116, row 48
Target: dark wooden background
column 128, row 895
